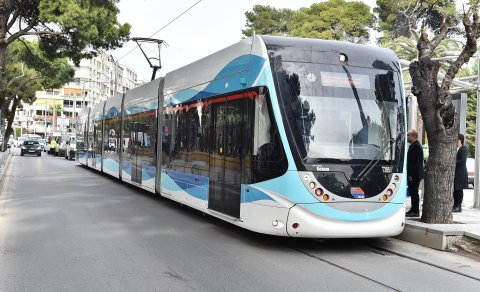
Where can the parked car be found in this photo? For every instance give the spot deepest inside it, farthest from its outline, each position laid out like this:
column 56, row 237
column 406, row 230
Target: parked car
column 32, row 136
column 471, row 170
column 31, row 147
column 19, row 141
column 71, row 148
column 62, row 145
column 42, row 143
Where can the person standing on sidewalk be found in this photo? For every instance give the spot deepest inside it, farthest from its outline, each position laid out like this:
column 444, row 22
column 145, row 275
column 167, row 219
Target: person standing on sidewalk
column 461, row 175
column 414, row 171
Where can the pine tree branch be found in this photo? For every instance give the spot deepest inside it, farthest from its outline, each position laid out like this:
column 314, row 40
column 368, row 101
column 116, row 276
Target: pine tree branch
column 21, row 32
column 45, row 32
column 15, row 15
column 17, row 89
column 444, row 30
column 472, row 32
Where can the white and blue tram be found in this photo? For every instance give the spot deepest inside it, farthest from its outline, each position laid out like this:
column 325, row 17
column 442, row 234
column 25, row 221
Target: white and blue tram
column 283, row 136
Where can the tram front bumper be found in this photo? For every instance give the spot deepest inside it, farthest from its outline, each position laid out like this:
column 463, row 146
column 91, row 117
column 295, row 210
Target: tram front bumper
column 304, row 223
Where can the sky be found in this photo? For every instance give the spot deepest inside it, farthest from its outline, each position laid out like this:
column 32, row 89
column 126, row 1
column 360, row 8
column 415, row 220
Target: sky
column 208, row 27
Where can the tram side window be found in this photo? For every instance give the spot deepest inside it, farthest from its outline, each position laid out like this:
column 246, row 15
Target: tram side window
column 166, row 138
column 179, row 142
column 80, row 126
column 98, row 135
column 197, row 158
column 269, row 160
column 144, row 136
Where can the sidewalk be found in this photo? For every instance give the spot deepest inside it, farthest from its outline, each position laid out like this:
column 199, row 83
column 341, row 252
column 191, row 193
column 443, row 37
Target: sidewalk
column 442, row 236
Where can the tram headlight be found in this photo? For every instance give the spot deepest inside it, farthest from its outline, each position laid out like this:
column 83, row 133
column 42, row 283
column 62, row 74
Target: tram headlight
column 312, row 185
column 394, row 185
column 396, row 178
column 326, row 197
column 389, row 193
column 384, row 197
column 319, row 192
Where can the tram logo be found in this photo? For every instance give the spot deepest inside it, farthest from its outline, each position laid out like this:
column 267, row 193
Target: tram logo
column 321, row 168
column 357, row 192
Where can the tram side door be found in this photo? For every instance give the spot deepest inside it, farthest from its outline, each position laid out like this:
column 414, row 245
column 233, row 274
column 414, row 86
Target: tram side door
column 226, row 139
column 137, row 133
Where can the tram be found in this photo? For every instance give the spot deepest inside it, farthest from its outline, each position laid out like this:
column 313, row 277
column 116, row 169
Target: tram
column 282, row 136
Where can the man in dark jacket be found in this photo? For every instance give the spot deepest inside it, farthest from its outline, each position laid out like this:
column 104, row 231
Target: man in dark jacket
column 461, row 175
column 414, row 171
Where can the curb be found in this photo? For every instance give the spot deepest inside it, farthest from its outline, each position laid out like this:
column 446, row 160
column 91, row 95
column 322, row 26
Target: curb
column 4, row 167
column 438, row 237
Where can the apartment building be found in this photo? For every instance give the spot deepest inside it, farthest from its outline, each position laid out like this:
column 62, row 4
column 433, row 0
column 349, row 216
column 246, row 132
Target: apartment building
column 94, row 82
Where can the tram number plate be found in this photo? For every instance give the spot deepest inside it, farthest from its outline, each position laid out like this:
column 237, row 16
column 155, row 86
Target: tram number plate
column 387, row 169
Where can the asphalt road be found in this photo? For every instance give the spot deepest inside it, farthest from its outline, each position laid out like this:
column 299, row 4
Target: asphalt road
column 64, row 227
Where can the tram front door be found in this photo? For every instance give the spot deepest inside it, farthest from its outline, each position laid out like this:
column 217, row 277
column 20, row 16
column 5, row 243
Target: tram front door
column 227, row 140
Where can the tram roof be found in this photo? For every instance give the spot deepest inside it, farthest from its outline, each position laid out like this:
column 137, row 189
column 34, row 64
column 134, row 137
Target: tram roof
column 327, row 51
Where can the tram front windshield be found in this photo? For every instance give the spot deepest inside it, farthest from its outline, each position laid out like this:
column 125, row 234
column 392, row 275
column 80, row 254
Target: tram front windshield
column 342, row 113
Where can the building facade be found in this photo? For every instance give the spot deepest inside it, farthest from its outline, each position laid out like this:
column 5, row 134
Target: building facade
column 95, row 80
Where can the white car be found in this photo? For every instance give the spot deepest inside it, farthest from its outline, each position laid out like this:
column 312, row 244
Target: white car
column 71, row 148
column 19, row 141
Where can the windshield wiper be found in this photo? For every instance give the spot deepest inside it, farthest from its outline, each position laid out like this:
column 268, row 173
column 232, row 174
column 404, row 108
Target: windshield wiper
column 366, row 170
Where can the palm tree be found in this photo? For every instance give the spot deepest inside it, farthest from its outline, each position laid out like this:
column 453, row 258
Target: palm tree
column 55, row 109
column 406, row 48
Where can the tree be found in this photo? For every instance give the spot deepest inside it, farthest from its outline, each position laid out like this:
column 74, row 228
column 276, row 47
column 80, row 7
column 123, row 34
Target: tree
column 406, row 48
column 333, row 20
column 267, row 20
column 56, row 110
column 64, row 28
column 435, row 104
column 470, row 138
column 400, row 18
column 27, row 71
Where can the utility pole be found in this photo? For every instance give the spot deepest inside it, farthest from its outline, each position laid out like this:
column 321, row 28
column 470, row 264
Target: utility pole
column 84, row 94
column 476, row 195
column 45, row 118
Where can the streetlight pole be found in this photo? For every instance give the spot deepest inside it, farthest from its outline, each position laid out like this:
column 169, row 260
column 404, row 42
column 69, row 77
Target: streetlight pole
column 45, row 116
column 74, row 116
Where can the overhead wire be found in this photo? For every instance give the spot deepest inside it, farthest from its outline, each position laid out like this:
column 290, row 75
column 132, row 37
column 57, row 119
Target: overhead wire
column 170, row 22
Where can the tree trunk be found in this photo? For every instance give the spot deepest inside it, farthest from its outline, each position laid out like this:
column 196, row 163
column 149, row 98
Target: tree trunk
column 439, row 122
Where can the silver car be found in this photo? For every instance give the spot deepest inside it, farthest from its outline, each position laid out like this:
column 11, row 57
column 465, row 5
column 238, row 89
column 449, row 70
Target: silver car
column 42, row 143
column 471, row 170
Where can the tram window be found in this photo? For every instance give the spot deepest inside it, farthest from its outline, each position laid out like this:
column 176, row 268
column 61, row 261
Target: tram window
column 178, row 148
column 197, row 158
column 166, row 138
column 269, row 159
column 98, row 136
